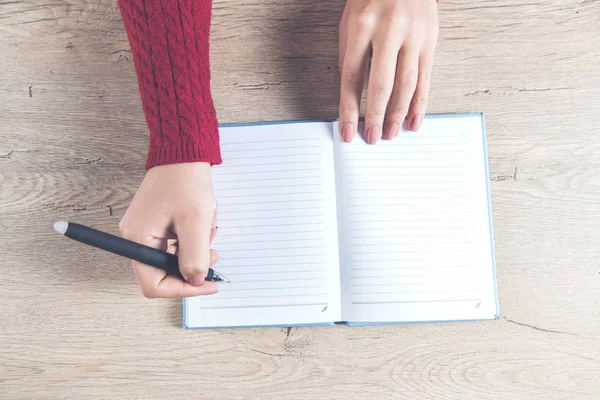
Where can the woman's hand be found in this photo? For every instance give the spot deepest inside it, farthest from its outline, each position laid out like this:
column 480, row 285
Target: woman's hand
column 174, row 210
column 400, row 37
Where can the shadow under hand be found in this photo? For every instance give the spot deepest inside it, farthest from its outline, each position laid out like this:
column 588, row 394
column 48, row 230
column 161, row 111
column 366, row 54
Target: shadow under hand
column 174, row 311
column 305, row 42
column 285, row 66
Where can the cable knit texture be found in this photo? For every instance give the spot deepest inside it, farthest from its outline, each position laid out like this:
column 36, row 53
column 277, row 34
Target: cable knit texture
column 169, row 41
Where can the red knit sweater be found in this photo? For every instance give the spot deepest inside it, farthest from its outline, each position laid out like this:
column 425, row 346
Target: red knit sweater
column 169, row 42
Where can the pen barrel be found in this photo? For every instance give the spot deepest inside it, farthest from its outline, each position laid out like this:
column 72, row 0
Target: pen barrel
column 126, row 248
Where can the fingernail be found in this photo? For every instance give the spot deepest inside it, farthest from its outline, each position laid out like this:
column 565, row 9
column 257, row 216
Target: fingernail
column 372, row 134
column 347, row 131
column 196, row 280
column 391, row 130
column 415, row 122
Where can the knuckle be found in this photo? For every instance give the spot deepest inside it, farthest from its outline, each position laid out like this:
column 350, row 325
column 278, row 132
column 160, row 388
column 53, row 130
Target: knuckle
column 379, row 87
column 409, row 78
column 192, row 269
column 187, row 214
column 149, row 292
column 122, row 226
column 365, row 20
column 349, row 113
column 349, row 110
column 396, row 17
column 180, row 293
column 398, row 111
column 374, row 114
column 350, row 78
column 125, row 229
column 425, row 75
column 420, row 101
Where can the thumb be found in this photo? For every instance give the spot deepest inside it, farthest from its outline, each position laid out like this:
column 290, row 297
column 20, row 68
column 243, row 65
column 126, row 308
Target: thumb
column 193, row 235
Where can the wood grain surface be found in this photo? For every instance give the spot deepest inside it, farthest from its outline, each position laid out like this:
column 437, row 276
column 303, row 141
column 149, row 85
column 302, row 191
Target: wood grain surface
column 72, row 145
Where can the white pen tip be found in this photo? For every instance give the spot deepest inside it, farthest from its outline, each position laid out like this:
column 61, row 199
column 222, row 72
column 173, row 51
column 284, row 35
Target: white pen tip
column 61, row 227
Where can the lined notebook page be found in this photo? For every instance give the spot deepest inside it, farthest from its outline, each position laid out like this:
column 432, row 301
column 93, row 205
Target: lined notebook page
column 415, row 241
column 277, row 235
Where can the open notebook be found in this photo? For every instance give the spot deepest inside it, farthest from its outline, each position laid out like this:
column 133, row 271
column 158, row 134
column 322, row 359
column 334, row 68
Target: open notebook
column 315, row 231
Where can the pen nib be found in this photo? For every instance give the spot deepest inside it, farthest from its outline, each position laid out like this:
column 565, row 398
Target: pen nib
column 218, row 277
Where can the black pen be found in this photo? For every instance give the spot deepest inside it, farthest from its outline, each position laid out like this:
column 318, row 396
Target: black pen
column 126, row 248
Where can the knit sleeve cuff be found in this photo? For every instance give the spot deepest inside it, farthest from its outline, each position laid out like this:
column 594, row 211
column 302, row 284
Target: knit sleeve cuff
column 162, row 154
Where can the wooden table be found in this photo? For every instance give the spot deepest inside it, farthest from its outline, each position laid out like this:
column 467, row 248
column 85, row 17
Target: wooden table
column 72, row 145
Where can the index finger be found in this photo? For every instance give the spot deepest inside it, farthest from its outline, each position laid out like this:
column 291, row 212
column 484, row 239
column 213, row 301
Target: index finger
column 155, row 282
column 193, row 230
column 353, row 80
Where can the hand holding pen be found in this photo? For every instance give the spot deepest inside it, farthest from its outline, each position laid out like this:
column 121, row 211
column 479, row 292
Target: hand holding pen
column 174, row 211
